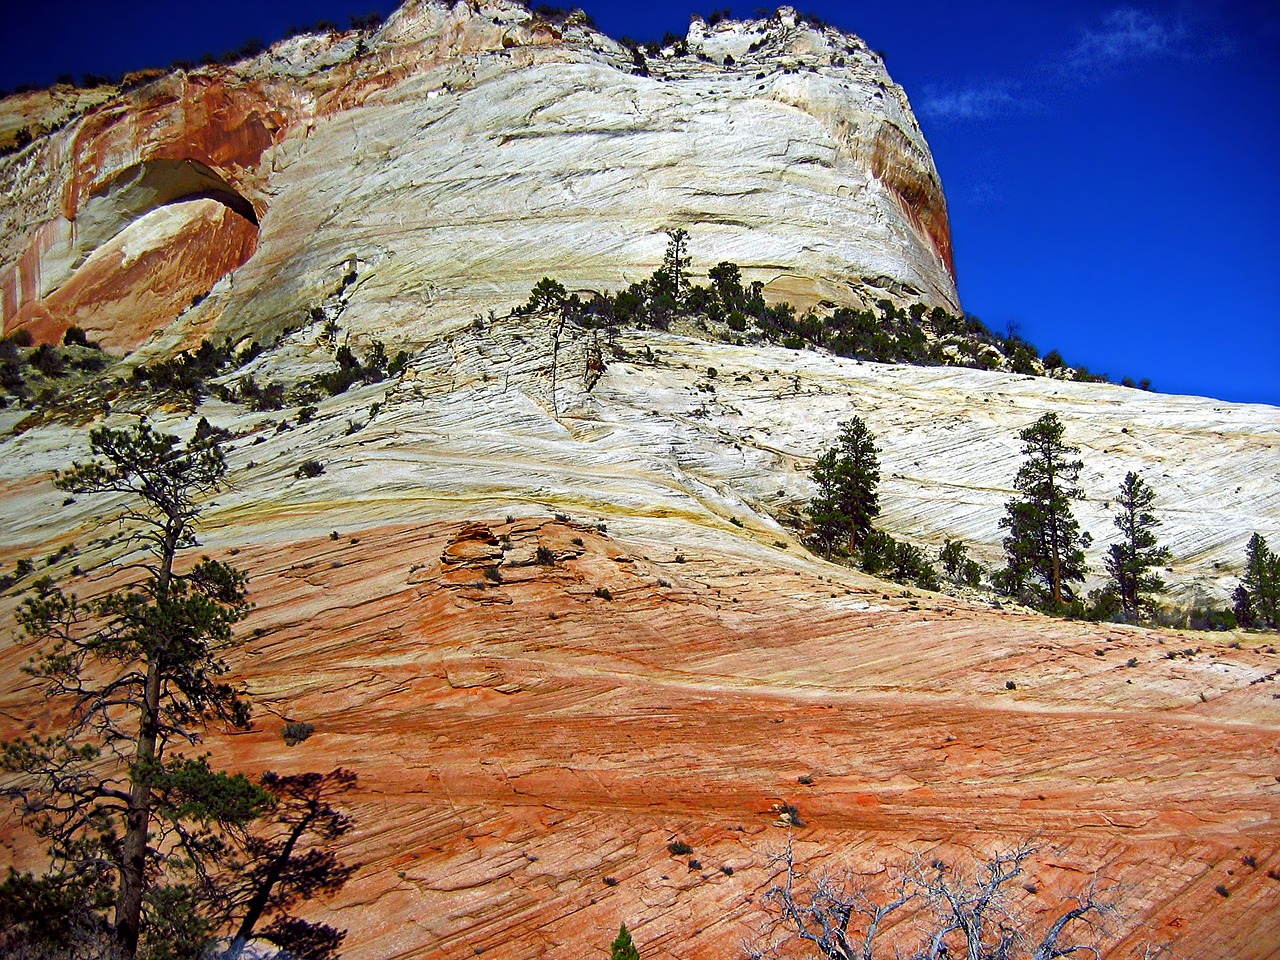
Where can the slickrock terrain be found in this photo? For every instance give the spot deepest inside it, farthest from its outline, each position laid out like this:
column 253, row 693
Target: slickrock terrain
column 530, row 735
column 519, row 737
column 463, row 152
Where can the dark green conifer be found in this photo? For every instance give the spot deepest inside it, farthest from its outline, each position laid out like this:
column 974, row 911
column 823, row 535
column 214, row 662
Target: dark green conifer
column 846, row 475
column 622, row 948
column 1130, row 561
column 1044, row 538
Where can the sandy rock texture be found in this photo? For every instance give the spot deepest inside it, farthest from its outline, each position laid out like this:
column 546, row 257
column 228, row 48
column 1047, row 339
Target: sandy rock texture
column 532, row 727
column 530, row 739
column 461, row 153
column 530, row 736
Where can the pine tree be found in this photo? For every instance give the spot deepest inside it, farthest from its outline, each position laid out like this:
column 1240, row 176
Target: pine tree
column 1130, row 560
column 1044, row 537
column 846, row 475
column 675, row 263
column 141, row 671
column 1260, row 584
column 622, row 948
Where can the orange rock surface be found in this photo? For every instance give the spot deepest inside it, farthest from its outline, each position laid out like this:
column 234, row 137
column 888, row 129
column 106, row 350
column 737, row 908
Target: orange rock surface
column 520, row 739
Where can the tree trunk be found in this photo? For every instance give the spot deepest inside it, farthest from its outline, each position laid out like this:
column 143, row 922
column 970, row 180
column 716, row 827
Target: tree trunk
column 133, row 868
column 134, row 849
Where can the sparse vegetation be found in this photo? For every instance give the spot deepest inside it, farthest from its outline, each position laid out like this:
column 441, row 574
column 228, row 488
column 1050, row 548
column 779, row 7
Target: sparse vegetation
column 736, row 310
column 296, row 731
column 956, row 912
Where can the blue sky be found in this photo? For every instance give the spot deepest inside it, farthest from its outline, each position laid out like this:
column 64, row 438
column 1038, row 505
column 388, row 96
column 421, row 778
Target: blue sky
column 1112, row 169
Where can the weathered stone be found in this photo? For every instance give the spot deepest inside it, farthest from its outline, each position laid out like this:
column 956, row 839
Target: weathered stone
column 464, row 152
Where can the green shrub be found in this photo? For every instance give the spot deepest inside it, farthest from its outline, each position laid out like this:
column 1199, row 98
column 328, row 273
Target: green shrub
column 296, row 731
column 309, row 469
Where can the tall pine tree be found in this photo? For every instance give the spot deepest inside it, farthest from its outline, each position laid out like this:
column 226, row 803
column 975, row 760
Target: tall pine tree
column 140, row 671
column 1258, row 596
column 1130, row 561
column 1044, row 538
column 846, row 475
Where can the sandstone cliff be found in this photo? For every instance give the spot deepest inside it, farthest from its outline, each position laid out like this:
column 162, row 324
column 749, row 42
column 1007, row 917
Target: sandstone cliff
column 528, row 746
column 460, row 154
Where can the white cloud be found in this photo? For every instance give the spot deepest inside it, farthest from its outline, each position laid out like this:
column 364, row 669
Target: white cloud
column 1126, row 35
column 969, row 103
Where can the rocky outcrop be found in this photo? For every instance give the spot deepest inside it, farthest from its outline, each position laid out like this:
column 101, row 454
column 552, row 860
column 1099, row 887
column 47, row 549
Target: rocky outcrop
column 530, row 736
column 461, row 153
column 543, row 597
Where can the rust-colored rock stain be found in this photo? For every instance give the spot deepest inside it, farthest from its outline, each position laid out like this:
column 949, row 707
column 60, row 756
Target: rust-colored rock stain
column 520, row 738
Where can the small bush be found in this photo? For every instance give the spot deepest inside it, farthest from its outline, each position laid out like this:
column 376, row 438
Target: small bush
column 1221, row 890
column 788, row 812
column 695, row 864
column 678, row 848
column 727, row 870
column 306, row 414
column 309, row 469
column 603, row 593
column 1010, row 685
column 493, row 573
column 75, row 337
column 296, row 731
column 48, row 361
column 544, row 556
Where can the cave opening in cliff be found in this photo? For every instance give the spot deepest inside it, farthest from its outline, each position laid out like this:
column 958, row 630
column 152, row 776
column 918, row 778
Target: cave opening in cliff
column 146, row 246
column 142, row 187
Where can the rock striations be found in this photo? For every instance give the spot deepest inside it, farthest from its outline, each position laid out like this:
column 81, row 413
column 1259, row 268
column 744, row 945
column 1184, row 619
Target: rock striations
column 532, row 727
column 462, row 153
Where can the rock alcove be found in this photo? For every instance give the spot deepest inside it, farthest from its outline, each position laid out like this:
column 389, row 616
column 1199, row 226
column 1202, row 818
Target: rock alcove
column 143, row 247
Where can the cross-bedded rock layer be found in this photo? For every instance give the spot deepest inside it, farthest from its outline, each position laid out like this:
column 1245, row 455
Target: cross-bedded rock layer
column 527, row 747
column 530, row 736
column 461, row 153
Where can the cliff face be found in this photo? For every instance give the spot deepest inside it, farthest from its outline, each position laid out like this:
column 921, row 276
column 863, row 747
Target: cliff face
column 528, row 743
column 462, row 153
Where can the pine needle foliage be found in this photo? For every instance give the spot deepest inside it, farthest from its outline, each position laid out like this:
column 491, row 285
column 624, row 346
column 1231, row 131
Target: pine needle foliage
column 846, row 475
column 622, row 947
column 1043, row 544
column 1130, row 561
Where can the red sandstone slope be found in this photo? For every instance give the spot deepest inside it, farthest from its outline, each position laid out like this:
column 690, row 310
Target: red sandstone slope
column 519, row 742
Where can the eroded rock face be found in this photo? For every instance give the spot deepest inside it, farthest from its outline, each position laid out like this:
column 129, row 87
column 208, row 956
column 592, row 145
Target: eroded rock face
column 529, row 737
column 463, row 152
column 540, row 598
